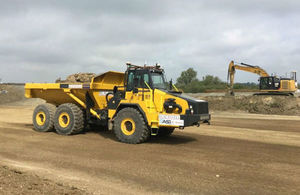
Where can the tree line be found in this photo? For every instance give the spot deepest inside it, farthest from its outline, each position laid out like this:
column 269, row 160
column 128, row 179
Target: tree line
column 189, row 83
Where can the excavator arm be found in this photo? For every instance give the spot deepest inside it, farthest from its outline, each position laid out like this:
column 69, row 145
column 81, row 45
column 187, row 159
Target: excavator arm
column 244, row 67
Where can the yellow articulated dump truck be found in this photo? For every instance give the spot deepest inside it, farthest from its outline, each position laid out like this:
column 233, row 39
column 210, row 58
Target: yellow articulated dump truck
column 138, row 103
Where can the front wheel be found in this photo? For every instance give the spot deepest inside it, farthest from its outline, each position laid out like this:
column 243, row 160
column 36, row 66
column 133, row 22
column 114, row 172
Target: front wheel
column 130, row 126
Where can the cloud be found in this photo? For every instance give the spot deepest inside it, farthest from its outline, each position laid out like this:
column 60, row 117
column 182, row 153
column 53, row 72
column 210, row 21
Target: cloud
column 43, row 40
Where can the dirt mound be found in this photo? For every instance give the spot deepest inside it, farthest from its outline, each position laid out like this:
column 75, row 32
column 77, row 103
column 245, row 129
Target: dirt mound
column 17, row 182
column 256, row 104
column 77, row 78
column 11, row 93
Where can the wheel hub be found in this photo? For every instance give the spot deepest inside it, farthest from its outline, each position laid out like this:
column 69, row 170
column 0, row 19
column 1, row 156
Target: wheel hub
column 64, row 119
column 40, row 118
column 128, row 126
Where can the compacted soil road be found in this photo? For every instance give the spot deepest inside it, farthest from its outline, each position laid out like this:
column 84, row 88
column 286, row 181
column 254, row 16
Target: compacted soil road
column 238, row 153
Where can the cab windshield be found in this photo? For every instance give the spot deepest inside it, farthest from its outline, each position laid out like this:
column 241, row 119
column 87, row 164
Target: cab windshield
column 158, row 81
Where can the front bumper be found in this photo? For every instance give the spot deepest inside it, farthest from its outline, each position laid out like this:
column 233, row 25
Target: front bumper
column 195, row 119
column 176, row 120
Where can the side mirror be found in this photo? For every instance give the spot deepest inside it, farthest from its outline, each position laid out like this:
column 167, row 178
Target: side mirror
column 135, row 90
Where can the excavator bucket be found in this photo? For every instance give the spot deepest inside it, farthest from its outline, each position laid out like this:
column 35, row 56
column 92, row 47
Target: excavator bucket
column 230, row 79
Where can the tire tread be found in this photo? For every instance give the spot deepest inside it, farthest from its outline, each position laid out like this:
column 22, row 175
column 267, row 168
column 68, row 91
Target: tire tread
column 79, row 121
column 145, row 135
column 51, row 109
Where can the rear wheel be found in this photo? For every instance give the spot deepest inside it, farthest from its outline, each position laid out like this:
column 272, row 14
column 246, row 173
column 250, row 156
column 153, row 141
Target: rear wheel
column 43, row 117
column 130, row 127
column 165, row 132
column 69, row 119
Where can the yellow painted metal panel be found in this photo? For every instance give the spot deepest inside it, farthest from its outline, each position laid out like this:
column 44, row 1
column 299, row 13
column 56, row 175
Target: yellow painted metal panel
column 108, row 80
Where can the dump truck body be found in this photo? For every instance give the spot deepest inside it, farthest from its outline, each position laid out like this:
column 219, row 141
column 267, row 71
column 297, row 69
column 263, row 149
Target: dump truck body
column 57, row 93
column 130, row 100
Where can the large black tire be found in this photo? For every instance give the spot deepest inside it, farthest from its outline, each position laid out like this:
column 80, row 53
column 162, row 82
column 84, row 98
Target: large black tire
column 130, row 127
column 43, row 117
column 165, row 132
column 69, row 119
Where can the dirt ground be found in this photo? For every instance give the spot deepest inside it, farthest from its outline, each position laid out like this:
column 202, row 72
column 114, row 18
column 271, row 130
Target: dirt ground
column 240, row 153
column 11, row 93
column 14, row 181
column 279, row 105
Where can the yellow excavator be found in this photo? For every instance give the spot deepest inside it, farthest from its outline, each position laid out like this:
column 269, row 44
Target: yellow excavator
column 268, row 85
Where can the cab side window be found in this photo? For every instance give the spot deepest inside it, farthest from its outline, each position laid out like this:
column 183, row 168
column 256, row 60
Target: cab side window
column 130, row 83
column 137, row 79
column 146, row 79
column 141, row 78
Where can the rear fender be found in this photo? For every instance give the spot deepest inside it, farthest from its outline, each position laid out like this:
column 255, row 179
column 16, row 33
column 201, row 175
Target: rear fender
column 135, row 106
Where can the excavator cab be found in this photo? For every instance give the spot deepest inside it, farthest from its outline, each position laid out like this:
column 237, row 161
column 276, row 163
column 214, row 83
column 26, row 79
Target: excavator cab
column 269, row 83
column 274, row 85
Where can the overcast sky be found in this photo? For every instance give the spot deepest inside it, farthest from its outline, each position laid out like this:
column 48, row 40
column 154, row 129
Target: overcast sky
column 43, row 40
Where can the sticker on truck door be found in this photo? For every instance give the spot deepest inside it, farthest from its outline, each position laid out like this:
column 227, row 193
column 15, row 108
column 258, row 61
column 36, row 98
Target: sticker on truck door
column 172, row 120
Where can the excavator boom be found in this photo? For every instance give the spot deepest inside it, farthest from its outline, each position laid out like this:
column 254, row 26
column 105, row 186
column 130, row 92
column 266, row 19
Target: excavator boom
column 245, row 67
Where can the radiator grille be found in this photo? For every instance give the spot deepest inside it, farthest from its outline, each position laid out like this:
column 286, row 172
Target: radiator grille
column 285, row 84
column 201, row 108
